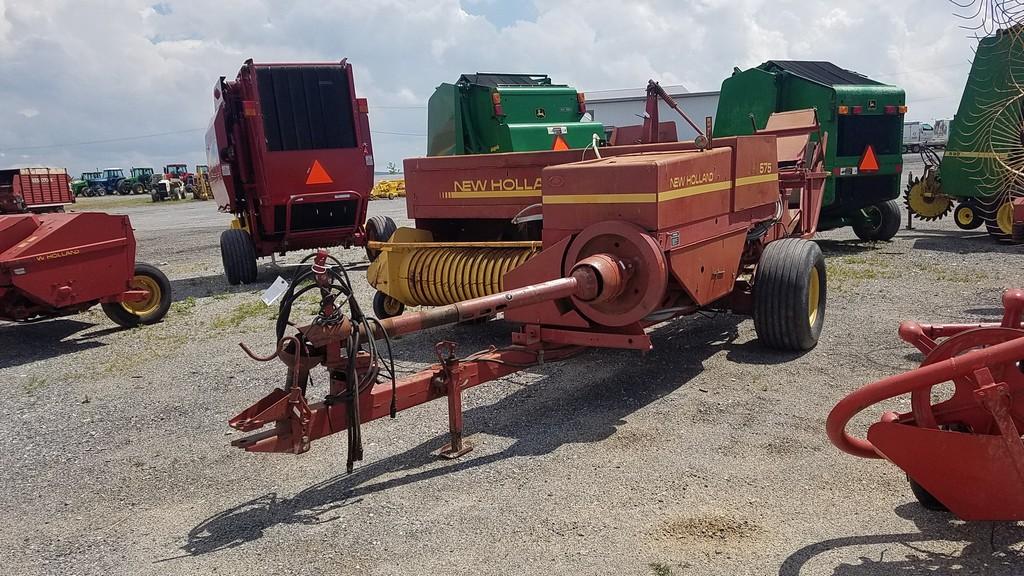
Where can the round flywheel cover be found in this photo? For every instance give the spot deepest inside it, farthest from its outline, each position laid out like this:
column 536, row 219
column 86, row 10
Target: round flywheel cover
column 645, row 288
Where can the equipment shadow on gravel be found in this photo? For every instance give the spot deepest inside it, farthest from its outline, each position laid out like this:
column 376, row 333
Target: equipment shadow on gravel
column 561, row 408
column 991, row 548
column 24, row 343
column 959, row 242
column 831, row 248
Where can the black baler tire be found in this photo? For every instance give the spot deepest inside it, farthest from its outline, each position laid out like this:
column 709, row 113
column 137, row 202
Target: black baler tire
column 925, row 497
column 378, row 229
column 781, row 292
column 888, row 226
column 126, row 318
column 380, row 309
column 238, row 255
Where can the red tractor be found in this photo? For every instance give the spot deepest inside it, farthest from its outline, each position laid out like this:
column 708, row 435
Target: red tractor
column 290, row 156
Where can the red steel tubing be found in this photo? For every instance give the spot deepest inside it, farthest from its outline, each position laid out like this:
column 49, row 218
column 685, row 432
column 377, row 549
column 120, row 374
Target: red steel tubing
column 411, row 391
column 922, row 377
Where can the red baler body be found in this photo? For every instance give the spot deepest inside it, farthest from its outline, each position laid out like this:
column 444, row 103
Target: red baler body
column 290, row 155
column 59, row 264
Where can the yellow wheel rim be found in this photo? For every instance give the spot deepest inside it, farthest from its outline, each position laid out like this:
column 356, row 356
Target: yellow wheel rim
column 926, row 200
column 150, row 303
column 813, row 296
column 1004, row 218
column 965, row 215
column 392, row 306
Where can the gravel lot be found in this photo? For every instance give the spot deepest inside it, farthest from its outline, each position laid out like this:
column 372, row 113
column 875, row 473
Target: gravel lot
column 707, row 456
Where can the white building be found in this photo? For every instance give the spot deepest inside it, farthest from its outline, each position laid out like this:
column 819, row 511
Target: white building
column 626, row 107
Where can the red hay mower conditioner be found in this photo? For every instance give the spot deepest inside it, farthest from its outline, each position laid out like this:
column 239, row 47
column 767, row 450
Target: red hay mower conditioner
column 961, row 452
column 60, row 264
column 629, row 242
column 290, row 156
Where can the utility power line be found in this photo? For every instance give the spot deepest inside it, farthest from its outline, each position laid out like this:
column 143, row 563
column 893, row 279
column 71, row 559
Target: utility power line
column 103, row 141
column 6, row 149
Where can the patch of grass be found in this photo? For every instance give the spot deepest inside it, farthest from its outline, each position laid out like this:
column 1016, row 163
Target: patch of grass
column 221, row 296
column 254, row 309
column 33, row 384
column 108, row 202
column 152, row 343
column 950, row 274
column 184, row 306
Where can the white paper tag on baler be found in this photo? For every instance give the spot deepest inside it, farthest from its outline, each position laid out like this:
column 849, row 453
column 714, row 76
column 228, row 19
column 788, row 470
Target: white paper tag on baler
column 276, row 290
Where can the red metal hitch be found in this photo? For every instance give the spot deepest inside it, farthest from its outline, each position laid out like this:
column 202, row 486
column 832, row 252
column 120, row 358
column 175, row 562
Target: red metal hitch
column 964, row 453
column 297, row 423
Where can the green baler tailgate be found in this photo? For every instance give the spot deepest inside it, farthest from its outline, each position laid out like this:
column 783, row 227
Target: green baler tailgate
column 525, row 137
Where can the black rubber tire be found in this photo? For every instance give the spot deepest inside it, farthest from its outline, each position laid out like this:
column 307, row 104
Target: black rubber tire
column 378, row 229
column 238, row 254
column 380, row 306
column 138, row 188
column 975, row 223
column 882, row 225
column 925, row 497
column 996, row 232
column 128, row 319
column 1018, row 233
column 782, row 286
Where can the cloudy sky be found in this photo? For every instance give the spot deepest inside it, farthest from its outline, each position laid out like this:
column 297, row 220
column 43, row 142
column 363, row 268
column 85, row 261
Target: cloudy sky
column 91, row 83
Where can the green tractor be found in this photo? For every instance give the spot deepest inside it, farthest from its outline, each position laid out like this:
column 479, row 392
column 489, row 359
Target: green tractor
column 82, row 186
column 982, row 169
column 487, row 113
column 140, row 181
column 864, row 122
column 89, row 183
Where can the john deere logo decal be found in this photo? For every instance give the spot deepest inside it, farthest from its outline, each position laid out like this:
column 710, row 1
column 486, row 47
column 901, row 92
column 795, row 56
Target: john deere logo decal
column 540, row 113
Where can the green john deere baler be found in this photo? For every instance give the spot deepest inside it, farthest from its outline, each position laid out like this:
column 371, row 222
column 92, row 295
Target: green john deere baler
column 486, row 113
column 864, row 122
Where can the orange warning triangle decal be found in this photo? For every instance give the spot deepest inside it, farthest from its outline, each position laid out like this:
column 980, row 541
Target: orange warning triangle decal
column 869, row 162
column 317, row 174
column 560, row 143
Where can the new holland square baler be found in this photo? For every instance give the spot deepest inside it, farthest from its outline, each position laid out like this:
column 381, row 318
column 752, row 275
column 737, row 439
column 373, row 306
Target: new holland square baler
column 290, row 157
column 628, row 242
column 59, row 264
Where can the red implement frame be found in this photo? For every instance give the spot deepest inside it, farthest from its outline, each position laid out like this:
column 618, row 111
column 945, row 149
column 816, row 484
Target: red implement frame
column 966, row 451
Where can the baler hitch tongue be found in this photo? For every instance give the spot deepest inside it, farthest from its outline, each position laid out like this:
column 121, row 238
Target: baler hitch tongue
column 965, row 453
column 331, row 338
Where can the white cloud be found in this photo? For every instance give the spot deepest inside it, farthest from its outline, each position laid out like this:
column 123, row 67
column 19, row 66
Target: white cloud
column 93, row 70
